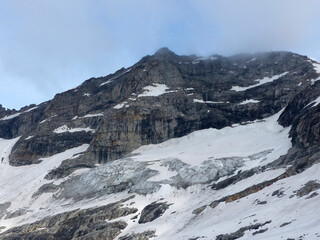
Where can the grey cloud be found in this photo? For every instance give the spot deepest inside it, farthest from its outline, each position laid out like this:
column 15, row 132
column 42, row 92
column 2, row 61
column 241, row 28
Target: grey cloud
column 50, row 46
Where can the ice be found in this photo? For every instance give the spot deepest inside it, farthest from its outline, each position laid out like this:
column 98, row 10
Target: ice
column 260, row 82
column 163, row 172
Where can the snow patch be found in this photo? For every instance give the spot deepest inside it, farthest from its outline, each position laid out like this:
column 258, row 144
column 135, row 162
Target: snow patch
column 260, row 82
column 65, row 128
column 314, row 103
column 111, row 80
column 89, row 116
column 17, row 114
column 252, row 60
column 10, row 116
column 48, row 119
column 202, row 101
column 155, row 90
column 239, row 141
column 249, row 101
column 29, row 137
column 31, row 109
column 121, row 105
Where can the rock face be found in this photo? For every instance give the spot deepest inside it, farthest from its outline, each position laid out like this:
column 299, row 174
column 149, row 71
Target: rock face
column 77, row 224
column 152, row 212
column 173, row 128
column 161, row 97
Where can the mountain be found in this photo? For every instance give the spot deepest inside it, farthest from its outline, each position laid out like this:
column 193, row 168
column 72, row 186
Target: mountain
column 173, row 147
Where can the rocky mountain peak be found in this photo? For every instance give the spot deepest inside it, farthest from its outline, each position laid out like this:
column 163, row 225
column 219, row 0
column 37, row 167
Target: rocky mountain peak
column 164, row 53
column 235, row 131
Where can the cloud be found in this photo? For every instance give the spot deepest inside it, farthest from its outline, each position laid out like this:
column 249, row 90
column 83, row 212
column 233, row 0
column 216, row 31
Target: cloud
column 50, row 46
column 250, row 25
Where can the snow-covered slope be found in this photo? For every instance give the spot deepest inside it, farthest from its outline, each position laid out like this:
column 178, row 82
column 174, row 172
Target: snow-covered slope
column 199, row 158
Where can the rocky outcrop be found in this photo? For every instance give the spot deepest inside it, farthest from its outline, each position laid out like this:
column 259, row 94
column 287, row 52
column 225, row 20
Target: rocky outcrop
column 308, row 188
column 3, row 207
column 78, row 224
column 139, row 236
column 153, row 211
column 240, row 233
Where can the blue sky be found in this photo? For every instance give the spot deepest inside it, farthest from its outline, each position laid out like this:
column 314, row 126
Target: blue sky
column 47, row 47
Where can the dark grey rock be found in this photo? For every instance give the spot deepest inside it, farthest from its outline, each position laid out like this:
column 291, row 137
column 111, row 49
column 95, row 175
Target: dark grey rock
column 279, row 193
column 139, row 236
column 241, row 231
column 214, row 204
column 46, row 188
column 312, row 195
column 3, row 207
column 260, row 231
column 14, row 214
column 199, row 210
column 78, row 224
column 285, row 224
column 308, row 188
column 258, row 202
column 153, row 211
